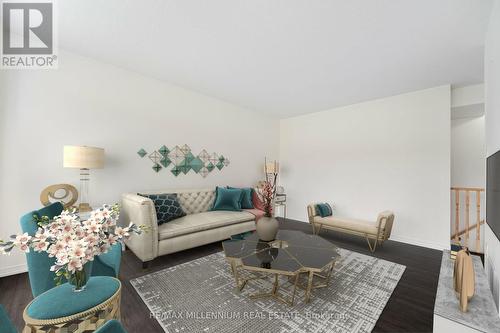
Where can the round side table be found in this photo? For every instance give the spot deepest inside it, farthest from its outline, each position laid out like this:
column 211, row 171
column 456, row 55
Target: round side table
column 60, row 309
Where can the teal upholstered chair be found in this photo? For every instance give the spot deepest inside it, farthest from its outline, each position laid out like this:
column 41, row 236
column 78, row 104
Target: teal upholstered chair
column 6, row 325
column 111, row 326
column 108, row 264
column 39, row 263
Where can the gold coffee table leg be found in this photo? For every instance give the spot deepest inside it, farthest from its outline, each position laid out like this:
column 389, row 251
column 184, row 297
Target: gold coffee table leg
column 274, row 292
column 309, row 286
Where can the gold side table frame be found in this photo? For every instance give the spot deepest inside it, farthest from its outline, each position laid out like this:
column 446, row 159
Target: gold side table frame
column 86, row 321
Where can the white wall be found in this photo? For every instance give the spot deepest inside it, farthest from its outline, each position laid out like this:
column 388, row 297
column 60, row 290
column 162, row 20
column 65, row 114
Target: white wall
column 91, row 103
column 392, row 153
column 468, row 169
column 467, row 95
column 468, row 152
column 492, row 104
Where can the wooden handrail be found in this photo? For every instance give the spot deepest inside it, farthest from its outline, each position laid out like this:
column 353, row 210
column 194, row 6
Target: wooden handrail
column 461, row 232
column 470, row 189
column 457, row 232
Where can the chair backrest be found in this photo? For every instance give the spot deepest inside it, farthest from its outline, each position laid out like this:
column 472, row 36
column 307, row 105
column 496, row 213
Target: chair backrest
column 39, row 263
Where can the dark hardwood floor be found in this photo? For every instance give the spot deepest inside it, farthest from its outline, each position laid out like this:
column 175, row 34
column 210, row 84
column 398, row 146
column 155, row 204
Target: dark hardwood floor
column 410, row 309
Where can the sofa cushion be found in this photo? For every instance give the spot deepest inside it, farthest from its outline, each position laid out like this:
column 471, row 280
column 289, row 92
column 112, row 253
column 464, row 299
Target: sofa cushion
column 166, row 205
column 201, row 221
column 324, row 209
column 227, row 199
column 246, row 198
column 348, row 224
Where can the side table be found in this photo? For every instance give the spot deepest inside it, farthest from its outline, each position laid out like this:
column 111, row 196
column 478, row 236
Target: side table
column 60, row 309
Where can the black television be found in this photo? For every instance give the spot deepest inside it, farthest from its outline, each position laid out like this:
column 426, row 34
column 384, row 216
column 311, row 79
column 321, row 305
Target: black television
column 493, row 193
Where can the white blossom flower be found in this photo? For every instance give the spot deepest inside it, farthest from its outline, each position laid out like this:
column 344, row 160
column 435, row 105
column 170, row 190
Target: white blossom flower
column 74, row 264
column 24, row 247
column 41, row 246
column 122, row 232
column 22, row 239
column 73, row 242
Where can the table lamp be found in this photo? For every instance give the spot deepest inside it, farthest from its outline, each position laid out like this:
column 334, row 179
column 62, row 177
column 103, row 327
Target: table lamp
column 84, row 158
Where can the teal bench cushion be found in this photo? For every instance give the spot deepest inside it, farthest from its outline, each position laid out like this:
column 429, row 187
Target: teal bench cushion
column 61, row 301
column 324, row 209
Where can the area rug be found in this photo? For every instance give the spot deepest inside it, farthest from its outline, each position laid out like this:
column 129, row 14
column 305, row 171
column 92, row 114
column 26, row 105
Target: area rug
column 200, row 296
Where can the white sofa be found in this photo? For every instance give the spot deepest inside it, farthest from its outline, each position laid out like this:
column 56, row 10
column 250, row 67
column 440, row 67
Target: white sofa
column 199, row 227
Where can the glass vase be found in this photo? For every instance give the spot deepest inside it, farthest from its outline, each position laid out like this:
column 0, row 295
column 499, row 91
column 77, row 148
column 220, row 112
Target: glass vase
column 79, row 279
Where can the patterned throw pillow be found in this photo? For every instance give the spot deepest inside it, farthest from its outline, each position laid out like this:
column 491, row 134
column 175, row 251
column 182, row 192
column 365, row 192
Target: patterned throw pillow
column 324, row 209
column 167, row 207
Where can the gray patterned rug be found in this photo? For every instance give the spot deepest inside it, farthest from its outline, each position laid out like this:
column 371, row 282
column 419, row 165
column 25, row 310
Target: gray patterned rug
column 200, row 296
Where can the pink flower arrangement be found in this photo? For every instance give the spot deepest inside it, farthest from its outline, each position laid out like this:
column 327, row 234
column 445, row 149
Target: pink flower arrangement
column 268, row 196
column 268, row 189
column 71, row 241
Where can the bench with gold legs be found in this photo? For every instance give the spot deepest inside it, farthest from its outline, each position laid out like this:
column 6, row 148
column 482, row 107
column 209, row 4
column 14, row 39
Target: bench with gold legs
column 375, row 232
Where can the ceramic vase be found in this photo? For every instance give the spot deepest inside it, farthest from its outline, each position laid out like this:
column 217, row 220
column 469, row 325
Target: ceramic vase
column 267, row 228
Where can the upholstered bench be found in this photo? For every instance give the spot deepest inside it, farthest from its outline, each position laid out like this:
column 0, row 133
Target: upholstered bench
column 60, row 309
column 375, row 231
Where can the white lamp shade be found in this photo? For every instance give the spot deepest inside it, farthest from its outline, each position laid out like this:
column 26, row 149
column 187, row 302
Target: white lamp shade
column 272, row 167
column 83, row 157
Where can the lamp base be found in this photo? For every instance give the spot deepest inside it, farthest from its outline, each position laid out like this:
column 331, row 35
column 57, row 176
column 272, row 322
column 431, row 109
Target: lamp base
column 84, row 207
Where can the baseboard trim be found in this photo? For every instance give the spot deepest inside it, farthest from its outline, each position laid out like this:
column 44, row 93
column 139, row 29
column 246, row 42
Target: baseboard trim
column 417, row 242
column 402, row 239
column 12, row 270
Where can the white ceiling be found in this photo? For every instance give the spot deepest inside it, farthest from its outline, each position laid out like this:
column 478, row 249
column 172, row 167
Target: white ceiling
column 285, row 57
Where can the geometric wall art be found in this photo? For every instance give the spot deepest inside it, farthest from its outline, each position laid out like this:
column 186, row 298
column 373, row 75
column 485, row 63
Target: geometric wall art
column 182, row 160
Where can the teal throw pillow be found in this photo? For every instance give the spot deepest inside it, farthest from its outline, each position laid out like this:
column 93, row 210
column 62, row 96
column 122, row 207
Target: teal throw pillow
column 227, row 199
column 246, row 198
column 324, row 209
column 167, row 207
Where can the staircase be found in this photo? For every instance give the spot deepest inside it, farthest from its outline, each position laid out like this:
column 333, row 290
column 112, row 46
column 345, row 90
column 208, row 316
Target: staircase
column 467, row 217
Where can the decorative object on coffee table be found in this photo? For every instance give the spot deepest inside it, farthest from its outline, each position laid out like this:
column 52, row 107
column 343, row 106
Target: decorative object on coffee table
column 292, row 254
column 267, row 226
column 59, row 310
column 84, row 158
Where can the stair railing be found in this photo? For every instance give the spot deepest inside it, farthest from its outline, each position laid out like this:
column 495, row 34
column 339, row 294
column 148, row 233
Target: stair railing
column 458, row 230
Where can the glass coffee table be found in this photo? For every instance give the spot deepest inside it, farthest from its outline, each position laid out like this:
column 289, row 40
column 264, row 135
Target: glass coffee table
column 292, row 254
